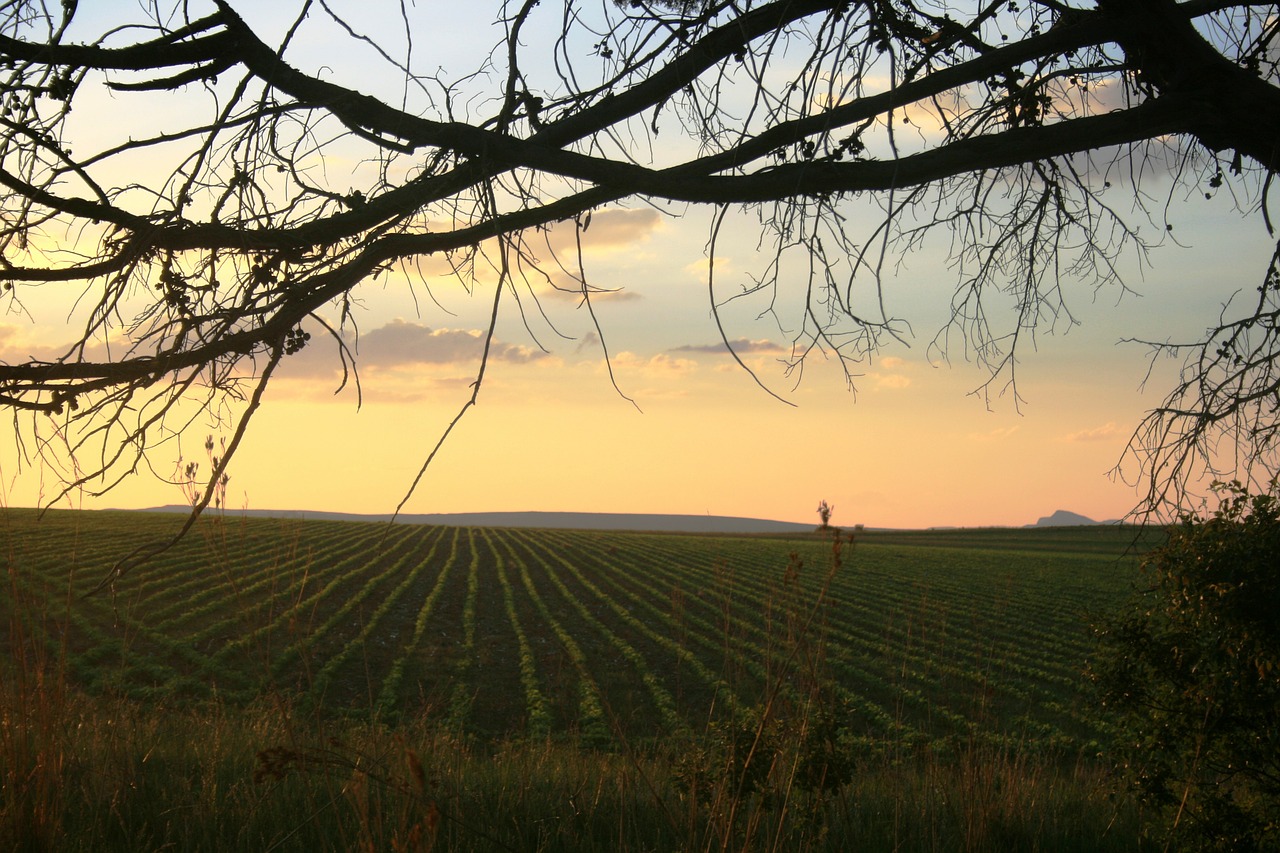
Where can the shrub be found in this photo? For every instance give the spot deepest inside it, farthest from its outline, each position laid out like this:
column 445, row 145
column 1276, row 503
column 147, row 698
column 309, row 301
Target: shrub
column 1191, row 672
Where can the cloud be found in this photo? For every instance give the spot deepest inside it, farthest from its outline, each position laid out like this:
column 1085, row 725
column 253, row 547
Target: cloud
column 620, row 227
column 760, row 366
column 698, row 269
column 17, row 347
column 742, row 346
column 548, row 256
column 401, row 344
column 927, row 117
column 891, row 380
column 398, row 345
column 608, row 230
column 383, row 388
column 1099, row 96
column 566, row 288
column 658, row 365
column 998, row 434
column 1103, row 433
column 590, row 342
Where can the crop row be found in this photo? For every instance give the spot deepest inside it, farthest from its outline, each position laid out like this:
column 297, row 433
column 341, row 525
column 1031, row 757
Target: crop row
column 590, row 635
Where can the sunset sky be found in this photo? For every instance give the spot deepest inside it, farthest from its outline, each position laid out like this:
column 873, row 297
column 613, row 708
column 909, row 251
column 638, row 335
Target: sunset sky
column 910, row 447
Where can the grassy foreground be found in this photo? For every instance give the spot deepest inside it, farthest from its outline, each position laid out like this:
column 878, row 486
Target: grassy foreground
column 89, row 775
column 783, row 765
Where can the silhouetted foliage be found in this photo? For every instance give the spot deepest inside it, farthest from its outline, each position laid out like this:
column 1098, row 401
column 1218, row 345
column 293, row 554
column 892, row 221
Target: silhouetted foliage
column 1191, row 669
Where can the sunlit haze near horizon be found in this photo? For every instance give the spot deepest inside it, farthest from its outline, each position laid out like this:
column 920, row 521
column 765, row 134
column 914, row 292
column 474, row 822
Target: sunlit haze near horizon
column 911, row 446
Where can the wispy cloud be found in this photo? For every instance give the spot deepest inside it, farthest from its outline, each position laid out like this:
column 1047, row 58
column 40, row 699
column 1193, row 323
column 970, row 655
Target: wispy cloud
column 891, row 374
column 741, row 346
column 660, row 365
column 1106, row 432
column 892, row 381
column 998, row 434
column 699, row 268
column 565, row 288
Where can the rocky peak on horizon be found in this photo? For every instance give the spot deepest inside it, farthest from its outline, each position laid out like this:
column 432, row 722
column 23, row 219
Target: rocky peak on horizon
column 1063, row 518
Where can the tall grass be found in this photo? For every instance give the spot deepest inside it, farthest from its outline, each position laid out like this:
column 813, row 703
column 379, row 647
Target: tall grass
column 108, row 776
column 97, row 772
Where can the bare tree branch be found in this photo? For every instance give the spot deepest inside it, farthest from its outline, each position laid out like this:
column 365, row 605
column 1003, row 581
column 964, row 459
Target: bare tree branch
column 1010, row 127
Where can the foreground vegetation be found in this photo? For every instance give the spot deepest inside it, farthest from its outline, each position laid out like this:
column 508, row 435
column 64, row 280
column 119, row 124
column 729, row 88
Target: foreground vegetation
column 1190, row 674
column 121, row 776
column 327, row 685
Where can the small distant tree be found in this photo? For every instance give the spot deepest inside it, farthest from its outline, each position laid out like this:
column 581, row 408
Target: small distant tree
column 824, row 512
column 1191, row 671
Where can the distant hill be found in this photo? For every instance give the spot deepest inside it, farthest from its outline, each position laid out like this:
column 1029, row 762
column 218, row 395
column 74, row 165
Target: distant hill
column 1062, row 518
column 595, row 520
column 563, row 520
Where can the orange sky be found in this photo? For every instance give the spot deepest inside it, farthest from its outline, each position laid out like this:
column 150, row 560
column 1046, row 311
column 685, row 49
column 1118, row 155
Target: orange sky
column 911, row 448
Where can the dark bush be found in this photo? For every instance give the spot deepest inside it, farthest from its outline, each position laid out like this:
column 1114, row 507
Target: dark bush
column 1190, row 670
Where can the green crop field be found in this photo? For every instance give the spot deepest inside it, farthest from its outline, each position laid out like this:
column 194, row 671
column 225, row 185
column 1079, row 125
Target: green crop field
column 590, row 637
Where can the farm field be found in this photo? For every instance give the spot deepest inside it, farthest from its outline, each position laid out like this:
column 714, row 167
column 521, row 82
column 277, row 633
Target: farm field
column 596, row 638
